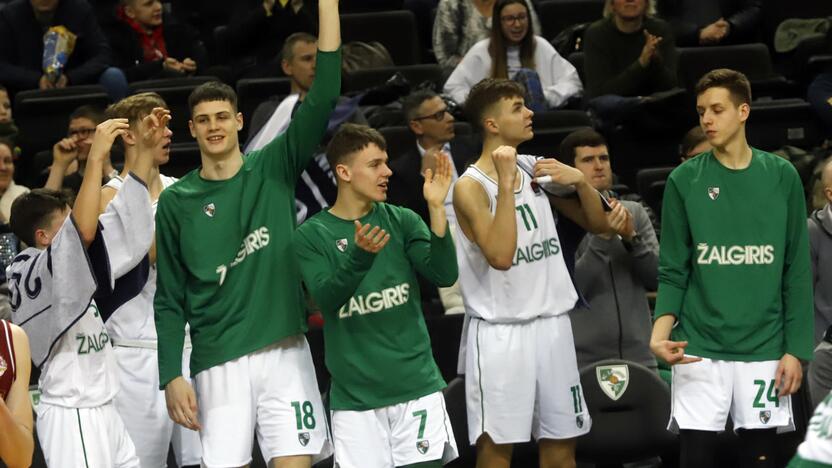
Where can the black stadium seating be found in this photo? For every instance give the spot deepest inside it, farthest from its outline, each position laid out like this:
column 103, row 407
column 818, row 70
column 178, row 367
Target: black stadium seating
column 395, row 30
column 557, row 15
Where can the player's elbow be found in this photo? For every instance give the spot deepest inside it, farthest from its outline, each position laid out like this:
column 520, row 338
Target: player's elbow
column 501, row 262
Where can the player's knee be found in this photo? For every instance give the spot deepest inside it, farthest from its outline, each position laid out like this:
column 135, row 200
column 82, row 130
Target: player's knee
column 301, row 461
column 491, row 454
column 557, row 453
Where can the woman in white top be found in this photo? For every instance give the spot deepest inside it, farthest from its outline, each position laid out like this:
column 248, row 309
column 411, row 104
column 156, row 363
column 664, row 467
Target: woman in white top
column 511, row 47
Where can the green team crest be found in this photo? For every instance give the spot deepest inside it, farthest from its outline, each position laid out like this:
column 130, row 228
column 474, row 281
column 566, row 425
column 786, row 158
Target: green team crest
column 613, row 379
column 422, row 446
column 303, row 438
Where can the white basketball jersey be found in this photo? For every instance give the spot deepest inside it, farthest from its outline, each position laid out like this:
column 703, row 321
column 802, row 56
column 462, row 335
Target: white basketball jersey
column 81, row 369
column 538, row 283
column 134, row 319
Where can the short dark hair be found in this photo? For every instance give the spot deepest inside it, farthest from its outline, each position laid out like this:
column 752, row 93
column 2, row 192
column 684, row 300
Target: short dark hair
column 32, row 211
column 88, row 111
column 411, row 102
column 351, row 138
column 8, row 143
column 735, row 82
column 212, row 91
column 488, row 92
column 691, row 140
column 586, row 136
column 287, row 52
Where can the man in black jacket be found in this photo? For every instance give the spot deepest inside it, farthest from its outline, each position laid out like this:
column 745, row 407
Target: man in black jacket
column 712, row 22
column 22, row 26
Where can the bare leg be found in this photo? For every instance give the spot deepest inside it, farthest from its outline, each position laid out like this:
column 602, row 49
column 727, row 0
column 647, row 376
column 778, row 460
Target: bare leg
column 557, row 453
column 491, row 455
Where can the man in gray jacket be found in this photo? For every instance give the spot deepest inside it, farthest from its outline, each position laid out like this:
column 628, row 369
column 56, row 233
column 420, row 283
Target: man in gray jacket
column 613, row 271
column 820, row 241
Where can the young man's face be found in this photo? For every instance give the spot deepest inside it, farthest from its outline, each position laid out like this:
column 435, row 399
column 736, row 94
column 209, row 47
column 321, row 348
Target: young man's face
column 434, row 121
column 511, row 120
column 44, row 6
column 215, row 125
column 6, row 167
column 5, row 107
column 301, row 67
column 594, row 162
column 367, row 173
column 82, row 130
column 720, row 118
column 514, row 22
column 629, row 9
column 148, row 13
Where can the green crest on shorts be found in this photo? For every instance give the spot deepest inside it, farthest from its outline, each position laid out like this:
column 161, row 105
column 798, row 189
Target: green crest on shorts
column 613, row 379
column 422, row 446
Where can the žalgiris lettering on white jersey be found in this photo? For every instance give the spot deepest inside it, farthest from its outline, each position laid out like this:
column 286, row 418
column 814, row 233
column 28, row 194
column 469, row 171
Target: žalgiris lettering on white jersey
column 376, row 301
column 256, row 240
column 537, row 251
column 735, row 254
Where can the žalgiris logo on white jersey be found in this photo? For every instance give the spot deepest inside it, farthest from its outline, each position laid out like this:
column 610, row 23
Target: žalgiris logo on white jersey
column 376, row 301
column 735, row 254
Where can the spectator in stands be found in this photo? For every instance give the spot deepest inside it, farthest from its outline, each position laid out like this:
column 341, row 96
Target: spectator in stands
column 820, row 97
column 694, row 142
column 258, row 29
column 820, row 243
column 629, row 52
column 9, row 191
column 613, row 270
column 712, row 22
column 459, row 24
column 271, row 118
column 69, row 155
column 7, row 127
column 22, row 27
column 514, row 51
column 428, row 118
column 149, row 44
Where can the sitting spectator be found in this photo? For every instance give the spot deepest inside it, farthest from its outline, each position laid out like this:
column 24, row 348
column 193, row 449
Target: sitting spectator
column 820, row 244
column 7, row 127
column 712, row 22
column 272, row 117
column 258, row 29
column 149, row 44
column 512, row 51
column 9, row 191
column 22, row 27
column 69, row 155
column 428, row 118
column 459, row 24
column 629, row 52
column 614, row 270
column 693, row 143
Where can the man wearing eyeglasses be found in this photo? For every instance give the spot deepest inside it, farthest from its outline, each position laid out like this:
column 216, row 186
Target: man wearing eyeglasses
column 428, row 118
column 69, row 155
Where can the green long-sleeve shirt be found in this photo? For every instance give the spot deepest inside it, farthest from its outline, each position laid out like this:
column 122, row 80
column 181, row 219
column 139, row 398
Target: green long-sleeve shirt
column 377, row 344
column 224, row 248
column 734, row 259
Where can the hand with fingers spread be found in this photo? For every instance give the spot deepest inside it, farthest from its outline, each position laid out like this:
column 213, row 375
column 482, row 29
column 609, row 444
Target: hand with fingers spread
column 650, row 49
column 438, row 181
column 789, row 375
column 181, row 403
column 672, row 352
column 152, row 128
column 105, row 134
column 621, row 220
column 560, row 173
column 505, row 162
column 370, row 240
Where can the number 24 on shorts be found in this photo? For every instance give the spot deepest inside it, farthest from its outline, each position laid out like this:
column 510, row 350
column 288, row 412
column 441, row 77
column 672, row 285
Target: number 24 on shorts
column 771, row 394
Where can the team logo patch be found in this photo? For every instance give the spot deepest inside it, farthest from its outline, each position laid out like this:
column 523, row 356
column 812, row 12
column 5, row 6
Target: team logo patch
column 303, row 438
column 422, row 446
column 713, row 193
column 613, row 379
column 341, row 244
column 579, row 421
column 765, row 416
column 209, row 209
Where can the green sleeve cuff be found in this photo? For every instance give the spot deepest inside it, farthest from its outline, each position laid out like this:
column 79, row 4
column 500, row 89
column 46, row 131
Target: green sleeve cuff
column 668, row 300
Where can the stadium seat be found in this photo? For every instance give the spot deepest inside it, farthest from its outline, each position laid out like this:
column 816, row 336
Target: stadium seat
column 42, row 115
column 630, row 407
column 414, row 74
column 557, row 15
column 646, row 177
column 455, row 404
column 252, row 91
column 577, row 60
column 184, row 157
column 780, row 122
column 550, row 128
column 175, row 92
column 396, row 30
column 751, row 59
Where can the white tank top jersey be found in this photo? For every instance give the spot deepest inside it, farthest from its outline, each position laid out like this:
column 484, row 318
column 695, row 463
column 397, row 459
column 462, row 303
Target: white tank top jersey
column 538, row 283
column 81, row 371
column 133, row 321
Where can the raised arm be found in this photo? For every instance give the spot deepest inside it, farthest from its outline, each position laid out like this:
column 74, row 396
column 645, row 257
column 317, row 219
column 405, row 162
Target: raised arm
column 17, row 443
column 588, row 210
column 495, row 235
